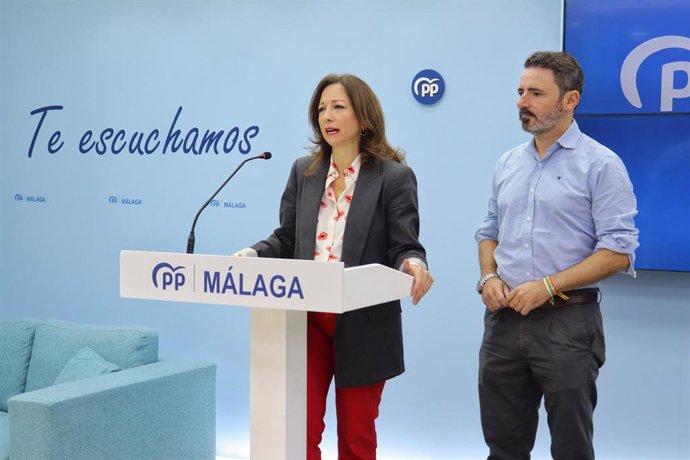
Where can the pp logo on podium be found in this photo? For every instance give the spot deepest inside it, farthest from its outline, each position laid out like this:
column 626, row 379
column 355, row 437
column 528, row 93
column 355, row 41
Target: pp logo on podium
column 428, row 87
column 166, row 276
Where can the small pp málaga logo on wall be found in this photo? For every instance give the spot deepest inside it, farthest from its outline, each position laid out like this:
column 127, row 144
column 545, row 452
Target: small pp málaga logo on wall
column 428, row 87
column 30, row 198
column 112, row 199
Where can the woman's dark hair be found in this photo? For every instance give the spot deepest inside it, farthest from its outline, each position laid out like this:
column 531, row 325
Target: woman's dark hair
column 373, row 142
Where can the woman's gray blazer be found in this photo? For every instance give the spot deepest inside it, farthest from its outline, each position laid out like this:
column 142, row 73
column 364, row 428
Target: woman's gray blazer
column 382, row 227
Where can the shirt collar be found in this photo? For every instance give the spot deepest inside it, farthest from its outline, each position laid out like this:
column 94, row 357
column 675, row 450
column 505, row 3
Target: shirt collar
column 351, row 171
column 570, row 137
column 568, row 140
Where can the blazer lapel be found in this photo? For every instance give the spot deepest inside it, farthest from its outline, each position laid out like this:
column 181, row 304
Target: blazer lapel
column 312, row 192
column 361, row 212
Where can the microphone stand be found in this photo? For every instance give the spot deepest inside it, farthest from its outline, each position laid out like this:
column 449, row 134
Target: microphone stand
column 190, row 240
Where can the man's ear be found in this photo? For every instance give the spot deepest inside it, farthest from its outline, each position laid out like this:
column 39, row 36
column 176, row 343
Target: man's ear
column 571, row 99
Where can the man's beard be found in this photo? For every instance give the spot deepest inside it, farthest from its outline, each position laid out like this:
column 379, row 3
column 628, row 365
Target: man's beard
column 546, row 124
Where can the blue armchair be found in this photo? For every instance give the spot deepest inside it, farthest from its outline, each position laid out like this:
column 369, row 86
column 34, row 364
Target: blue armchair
column 75, row 391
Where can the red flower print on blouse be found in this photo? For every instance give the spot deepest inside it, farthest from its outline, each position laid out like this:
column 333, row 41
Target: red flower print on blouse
column 350, row 170
column 316, row 253
column 339, row 215
column 331, row 257
column 322, row 236
column 324, row 204
column 348, row 198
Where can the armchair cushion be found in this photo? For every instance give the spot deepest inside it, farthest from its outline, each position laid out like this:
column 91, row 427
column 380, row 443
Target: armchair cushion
column 16, row 338
column 159, row 411
column 86, row 363
column 56, row 342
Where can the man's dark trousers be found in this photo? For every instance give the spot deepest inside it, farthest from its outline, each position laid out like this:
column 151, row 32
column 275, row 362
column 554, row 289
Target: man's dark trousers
column 554, row 352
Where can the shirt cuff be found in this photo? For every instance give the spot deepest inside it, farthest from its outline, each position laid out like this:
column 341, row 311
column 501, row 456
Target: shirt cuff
column 631, row 268
column 622, row 244
column 416, row 261
column 246, row 252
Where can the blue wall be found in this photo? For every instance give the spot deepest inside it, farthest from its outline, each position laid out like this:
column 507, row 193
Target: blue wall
column 131, row 65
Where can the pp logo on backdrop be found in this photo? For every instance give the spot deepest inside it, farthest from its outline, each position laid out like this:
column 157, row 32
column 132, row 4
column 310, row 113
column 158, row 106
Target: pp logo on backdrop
column 634, row 60
column 166, row 276
column 428, row 87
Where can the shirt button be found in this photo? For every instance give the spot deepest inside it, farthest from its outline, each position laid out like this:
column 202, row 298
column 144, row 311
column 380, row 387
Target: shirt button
column 526, row 245
column 528, row 273
column 529, row 218
column 531, row 190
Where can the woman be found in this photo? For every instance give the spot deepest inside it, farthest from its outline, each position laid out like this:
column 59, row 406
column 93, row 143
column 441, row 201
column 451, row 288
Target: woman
column 353, row 200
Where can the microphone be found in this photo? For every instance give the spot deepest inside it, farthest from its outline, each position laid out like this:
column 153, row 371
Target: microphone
column 190, row 240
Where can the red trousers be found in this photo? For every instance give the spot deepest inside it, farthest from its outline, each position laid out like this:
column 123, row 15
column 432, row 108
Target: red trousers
column 356, row 407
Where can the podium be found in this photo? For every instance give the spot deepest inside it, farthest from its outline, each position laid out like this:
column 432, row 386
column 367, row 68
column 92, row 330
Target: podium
column 279, row 292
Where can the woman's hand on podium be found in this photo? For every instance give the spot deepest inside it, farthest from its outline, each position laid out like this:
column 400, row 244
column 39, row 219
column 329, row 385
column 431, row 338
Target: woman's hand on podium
column 422, row 278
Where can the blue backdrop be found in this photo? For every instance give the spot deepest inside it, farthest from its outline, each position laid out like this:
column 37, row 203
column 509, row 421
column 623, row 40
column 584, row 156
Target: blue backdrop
column 636, row 104
column 249, row 67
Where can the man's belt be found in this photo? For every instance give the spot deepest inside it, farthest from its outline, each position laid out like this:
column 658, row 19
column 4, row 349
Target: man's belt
column 576, row 297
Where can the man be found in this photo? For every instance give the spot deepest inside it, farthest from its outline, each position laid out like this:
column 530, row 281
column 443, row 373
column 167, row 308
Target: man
column 560, row 220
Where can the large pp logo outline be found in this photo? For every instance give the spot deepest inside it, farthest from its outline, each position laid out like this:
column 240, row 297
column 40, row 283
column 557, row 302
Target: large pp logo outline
column 169, row 276
column 637, row 56
column 428, row 87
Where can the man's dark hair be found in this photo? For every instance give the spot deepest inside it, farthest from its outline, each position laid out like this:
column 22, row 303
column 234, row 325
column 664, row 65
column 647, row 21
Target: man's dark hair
column 567, row 70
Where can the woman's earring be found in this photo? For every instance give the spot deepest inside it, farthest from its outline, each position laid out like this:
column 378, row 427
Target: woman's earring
column 363, row 131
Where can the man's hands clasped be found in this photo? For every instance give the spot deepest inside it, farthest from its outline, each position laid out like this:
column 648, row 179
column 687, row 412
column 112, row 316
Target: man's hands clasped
column 523, row 299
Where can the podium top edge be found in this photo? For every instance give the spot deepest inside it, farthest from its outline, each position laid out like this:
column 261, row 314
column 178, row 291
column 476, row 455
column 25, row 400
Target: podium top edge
column 124, row 252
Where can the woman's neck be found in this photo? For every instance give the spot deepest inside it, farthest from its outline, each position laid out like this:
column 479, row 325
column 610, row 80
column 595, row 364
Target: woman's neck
column 343, row 157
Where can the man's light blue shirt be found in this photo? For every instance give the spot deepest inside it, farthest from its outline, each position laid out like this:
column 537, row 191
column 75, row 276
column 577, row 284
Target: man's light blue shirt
column 552, row 213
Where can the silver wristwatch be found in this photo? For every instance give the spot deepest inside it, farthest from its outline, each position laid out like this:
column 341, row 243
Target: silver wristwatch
column 482, row 281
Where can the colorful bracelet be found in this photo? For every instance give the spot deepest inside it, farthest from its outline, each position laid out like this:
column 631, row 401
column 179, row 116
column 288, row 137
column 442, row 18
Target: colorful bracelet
column 553, row 290
column 549, row 289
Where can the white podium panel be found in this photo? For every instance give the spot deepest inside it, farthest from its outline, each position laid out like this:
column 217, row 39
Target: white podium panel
column 280, row 292
column 283, row 284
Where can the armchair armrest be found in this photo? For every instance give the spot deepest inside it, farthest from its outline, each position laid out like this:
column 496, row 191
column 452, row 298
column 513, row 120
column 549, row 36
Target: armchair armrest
column 162, row 410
